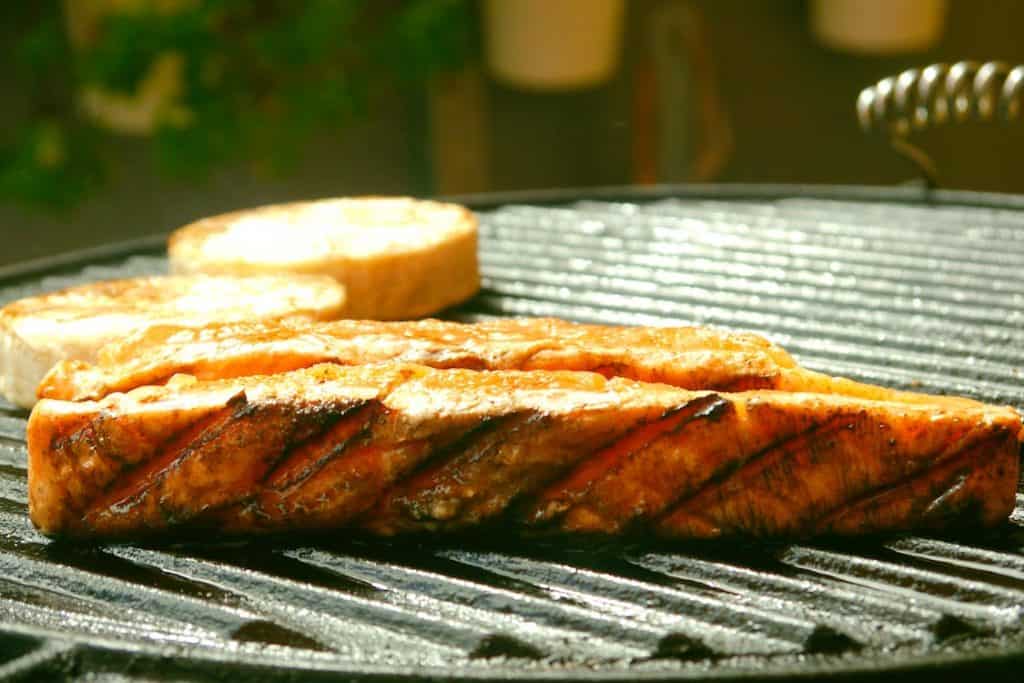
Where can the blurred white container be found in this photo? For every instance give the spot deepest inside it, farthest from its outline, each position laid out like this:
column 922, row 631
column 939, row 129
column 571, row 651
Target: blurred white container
column 878, row 26
column 553, row 44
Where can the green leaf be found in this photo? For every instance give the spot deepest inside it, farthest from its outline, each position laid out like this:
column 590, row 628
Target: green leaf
column 50, row 165
column 262, row 78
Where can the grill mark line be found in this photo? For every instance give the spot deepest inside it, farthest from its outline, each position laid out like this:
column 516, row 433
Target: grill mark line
column 296, row 449
column 785, row 445
column 559, row 497
column 303, row 460
column 466, row 444
column 178, row 447
column 362, row 459
column 424, row 477
column 950, row 459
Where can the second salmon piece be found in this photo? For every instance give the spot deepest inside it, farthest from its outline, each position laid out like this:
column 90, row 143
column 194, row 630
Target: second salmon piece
column 687, row 357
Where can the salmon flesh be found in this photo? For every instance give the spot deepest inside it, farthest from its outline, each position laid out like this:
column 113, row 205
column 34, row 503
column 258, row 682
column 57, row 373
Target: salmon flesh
column 687, row 357
column 394, row 448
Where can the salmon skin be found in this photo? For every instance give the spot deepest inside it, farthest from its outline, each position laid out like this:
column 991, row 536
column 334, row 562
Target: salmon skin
column 687, row 357
column 394, row 448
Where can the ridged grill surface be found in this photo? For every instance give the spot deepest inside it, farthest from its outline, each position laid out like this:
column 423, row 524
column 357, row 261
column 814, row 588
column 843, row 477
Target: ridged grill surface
column 929, row 298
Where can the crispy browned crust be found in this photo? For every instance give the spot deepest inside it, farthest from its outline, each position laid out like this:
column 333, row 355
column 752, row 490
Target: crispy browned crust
column 399, row 448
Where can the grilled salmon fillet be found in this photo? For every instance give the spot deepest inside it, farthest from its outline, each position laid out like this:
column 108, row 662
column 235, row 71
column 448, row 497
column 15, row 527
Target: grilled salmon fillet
column 394, row 448
column 74, row 323
column 686, row 357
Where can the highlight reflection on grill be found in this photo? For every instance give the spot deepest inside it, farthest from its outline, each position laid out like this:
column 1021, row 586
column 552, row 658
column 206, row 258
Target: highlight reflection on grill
column 928, row 298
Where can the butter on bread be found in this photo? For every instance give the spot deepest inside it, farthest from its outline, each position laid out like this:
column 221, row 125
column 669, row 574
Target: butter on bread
column 73, row 324
column 398, row 258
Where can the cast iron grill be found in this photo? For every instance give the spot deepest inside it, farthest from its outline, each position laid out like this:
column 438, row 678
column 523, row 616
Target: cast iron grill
column 923, row 296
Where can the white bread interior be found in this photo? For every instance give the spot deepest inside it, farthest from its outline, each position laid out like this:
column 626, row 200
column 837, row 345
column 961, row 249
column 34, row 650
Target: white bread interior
column 73, row 324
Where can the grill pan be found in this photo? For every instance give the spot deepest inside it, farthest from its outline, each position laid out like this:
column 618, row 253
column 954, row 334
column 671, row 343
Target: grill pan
column 904, row 287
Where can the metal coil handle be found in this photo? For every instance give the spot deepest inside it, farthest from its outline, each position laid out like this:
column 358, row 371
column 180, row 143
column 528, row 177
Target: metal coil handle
column 935, row 95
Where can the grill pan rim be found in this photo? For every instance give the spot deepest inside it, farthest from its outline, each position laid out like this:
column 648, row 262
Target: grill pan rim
column 923, row 667
column 1003, row 653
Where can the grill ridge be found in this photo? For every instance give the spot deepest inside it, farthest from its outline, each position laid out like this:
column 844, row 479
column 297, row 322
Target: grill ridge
column 325, row 616
column 922, row 296
column 775, row 236
column 860, row 614
column 593, row 638
column 707, row 619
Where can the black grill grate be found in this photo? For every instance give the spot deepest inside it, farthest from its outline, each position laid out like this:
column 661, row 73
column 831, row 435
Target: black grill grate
column 929, row 298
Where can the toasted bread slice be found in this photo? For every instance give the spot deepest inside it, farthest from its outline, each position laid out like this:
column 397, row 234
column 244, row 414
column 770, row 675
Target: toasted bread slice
column 72, row 324
column 398, row 258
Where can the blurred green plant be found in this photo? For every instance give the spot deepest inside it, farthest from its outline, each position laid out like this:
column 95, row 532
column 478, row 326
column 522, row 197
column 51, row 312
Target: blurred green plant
column 210, row 81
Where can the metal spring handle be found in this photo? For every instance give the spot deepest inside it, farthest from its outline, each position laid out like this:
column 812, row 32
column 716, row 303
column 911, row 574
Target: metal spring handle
column 920, row 98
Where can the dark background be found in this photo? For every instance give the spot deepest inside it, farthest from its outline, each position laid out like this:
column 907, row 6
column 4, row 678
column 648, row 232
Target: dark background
column 789, row 103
